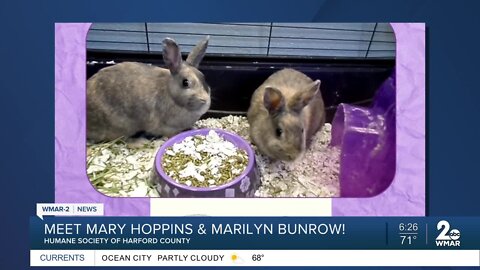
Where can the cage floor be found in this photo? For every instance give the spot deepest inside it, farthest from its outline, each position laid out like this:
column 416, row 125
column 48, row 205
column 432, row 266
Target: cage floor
column 122, row 168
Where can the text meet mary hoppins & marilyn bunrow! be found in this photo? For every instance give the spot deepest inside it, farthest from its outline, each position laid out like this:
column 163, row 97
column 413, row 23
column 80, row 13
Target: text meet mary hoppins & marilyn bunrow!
column 188, row 229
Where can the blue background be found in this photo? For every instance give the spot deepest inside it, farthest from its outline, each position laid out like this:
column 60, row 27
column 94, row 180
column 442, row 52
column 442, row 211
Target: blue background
column 27, row 89
column 357, row 233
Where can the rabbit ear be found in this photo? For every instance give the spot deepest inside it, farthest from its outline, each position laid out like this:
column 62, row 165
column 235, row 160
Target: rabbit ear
column 273, row 100
column 300, row 100
column 198, row 52
column 172, row 55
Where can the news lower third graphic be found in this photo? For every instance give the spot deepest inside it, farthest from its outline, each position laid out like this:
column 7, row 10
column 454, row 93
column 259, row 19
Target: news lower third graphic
column 98, row 240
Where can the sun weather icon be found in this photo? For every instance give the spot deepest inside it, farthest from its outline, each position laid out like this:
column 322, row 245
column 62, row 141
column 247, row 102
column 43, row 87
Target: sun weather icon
column 236, row 259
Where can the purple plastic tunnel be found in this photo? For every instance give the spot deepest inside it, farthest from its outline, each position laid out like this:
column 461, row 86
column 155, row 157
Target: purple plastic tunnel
column 366, row 137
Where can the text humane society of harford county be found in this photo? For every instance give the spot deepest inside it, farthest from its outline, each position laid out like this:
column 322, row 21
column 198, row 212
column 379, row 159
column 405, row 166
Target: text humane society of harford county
column 146, row 229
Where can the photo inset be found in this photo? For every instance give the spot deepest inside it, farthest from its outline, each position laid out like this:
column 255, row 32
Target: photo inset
column 235, row 110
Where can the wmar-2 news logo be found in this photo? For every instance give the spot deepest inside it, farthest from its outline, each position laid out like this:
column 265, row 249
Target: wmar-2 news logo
column 447, row 237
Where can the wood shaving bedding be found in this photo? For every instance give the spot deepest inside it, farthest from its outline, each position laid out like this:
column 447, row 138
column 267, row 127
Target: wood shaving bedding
column 122, row 168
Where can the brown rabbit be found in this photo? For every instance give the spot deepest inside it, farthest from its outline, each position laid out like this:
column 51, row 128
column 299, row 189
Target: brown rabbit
column 285, row 112
column 130, row 97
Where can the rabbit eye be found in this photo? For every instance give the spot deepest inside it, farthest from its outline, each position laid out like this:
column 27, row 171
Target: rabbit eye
column 185, row 83
column 278, row 132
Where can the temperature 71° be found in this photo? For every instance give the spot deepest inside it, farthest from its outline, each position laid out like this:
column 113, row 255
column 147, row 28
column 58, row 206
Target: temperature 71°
column 407, row 239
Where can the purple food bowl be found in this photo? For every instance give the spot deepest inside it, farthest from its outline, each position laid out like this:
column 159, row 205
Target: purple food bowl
column 243, row 186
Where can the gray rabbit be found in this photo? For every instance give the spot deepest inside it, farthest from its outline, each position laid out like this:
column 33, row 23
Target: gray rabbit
column 131, row 97
column 285, row 112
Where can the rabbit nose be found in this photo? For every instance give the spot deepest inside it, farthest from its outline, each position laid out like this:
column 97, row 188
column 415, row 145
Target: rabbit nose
column 203, row 101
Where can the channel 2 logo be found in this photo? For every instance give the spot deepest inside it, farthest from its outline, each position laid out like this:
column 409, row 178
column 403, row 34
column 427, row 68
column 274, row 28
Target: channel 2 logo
column 447, row 237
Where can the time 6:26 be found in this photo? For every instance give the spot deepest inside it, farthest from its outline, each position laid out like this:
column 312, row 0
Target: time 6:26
column 408, row 227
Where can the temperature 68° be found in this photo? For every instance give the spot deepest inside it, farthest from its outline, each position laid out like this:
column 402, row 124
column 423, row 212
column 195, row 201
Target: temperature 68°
column 257, row 257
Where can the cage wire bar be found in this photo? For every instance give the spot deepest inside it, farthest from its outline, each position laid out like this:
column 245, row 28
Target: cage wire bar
column 343, row 40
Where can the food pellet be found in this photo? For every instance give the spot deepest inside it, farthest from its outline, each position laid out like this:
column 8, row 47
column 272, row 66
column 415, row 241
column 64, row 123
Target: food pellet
column 204, row 161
